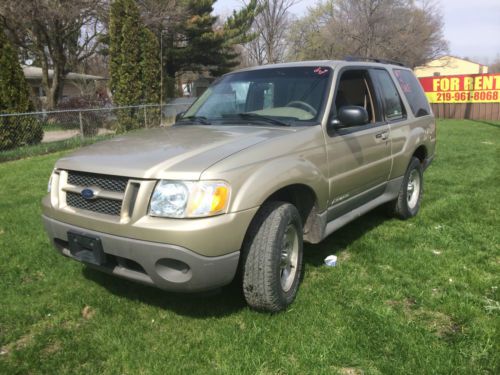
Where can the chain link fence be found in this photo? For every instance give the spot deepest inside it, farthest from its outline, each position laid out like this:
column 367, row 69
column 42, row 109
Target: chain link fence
column 21, row 130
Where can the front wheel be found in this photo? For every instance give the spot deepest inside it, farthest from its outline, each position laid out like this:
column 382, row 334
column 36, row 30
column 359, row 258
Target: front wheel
column 410, row 195
column 272, row 262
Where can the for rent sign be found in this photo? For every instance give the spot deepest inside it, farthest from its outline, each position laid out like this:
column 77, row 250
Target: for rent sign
column 478, row 88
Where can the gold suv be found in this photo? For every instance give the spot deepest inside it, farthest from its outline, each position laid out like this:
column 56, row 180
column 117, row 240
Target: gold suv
column 266, row 158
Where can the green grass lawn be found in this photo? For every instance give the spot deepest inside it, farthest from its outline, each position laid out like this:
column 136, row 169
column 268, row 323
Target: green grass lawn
column 407, row 297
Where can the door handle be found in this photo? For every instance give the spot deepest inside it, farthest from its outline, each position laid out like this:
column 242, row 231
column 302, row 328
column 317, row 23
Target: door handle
column 384, row 135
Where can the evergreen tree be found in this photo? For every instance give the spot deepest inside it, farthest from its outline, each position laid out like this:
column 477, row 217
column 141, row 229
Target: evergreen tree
column 14, row 93
column 134, row 62
column 237, row 30
column 192, row 43
column 150, row 67
column 196, row 43
column 14, row 98
column 117, row 14
column 125, row 53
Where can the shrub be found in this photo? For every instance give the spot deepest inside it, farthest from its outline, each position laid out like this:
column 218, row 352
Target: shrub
column 129, row 119
column 14, row 98
column 91, row 120
column 19, row 131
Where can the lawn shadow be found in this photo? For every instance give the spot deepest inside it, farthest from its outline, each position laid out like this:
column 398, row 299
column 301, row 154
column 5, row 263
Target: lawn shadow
column 229, row 299
column 338, row 241
column 216, row 303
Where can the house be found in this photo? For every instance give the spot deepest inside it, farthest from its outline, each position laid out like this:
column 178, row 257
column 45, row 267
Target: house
column 76, row 85
column 450, row 65
column 194, row 84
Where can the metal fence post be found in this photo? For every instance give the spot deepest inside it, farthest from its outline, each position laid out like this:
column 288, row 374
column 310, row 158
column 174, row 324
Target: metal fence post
column 145, row 118
column 81, row 124
column 161, row 115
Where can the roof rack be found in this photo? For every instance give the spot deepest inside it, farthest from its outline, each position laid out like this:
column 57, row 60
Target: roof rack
column 373, row 59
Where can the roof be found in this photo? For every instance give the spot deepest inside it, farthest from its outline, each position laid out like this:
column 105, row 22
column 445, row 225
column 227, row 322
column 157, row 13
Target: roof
column 330, row 63
column 449, row 57
column 35, row 72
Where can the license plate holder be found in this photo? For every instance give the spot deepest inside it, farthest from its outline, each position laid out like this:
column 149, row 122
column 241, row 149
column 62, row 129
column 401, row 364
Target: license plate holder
column 86, row 249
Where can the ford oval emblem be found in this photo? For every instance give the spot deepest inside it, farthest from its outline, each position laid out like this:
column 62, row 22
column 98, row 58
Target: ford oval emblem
column 87, row 193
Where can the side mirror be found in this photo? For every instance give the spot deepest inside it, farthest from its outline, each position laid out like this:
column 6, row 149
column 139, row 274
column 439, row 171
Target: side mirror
column 350, row 115
column 179, row 116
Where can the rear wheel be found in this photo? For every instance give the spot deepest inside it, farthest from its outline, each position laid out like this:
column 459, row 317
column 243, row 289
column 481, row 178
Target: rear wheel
column 272, row 261
column 410, row 195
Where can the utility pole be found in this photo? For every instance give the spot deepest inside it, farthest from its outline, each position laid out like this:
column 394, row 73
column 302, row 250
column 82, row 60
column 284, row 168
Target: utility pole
column 161, row 76
column 161, row 69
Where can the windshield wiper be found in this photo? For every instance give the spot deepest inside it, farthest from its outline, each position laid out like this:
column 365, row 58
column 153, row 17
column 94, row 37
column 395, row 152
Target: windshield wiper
column 257, row 117
column 196, row 119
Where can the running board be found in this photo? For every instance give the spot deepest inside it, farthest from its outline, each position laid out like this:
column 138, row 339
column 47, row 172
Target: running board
column 391, row 193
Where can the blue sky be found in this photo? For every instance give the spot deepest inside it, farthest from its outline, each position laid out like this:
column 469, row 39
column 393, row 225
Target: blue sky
column 472, row 27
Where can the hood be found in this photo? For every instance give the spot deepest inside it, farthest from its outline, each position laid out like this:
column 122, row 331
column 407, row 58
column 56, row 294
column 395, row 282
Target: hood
column 180, row 152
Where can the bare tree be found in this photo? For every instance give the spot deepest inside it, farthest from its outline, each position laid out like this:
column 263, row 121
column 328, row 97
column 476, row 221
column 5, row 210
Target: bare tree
column 494, row 67
column 161, row 15
column 308, row 38
column 58, row 34
column 405, row 30
column 271, row 26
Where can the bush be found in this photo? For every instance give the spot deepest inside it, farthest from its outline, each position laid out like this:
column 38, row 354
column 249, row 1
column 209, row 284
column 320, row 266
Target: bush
column 32, row 131
column 91, row 120
column 129, row 119
column 19, row 131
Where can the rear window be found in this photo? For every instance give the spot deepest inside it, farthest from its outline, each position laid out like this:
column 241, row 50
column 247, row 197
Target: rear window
column 413, row 92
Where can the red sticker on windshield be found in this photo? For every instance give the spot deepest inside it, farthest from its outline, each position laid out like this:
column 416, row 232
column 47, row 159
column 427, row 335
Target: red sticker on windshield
column 319, row 70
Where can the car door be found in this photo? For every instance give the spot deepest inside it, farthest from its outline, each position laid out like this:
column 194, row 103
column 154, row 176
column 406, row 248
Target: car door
column 359, row 157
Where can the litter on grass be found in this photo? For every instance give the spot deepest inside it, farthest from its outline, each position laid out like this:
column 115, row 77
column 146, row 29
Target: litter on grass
column 331, row 260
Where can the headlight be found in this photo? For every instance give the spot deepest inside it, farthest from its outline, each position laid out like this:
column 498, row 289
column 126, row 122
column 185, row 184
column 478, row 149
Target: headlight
column 49, row 184
column 180, row 199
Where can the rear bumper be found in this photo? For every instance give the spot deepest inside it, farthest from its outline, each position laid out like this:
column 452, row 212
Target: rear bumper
column 165, row 266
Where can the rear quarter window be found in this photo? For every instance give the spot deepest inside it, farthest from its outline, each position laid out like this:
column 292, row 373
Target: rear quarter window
column 413, row 92
column 393, row 105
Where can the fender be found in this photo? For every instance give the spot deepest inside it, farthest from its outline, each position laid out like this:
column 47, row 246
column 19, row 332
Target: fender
column 294, row 156
column 405, row 140
column 252, row 184
column 276, row 174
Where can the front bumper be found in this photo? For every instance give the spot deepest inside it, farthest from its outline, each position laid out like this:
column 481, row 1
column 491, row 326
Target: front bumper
column 210, row 237
column 165, row 266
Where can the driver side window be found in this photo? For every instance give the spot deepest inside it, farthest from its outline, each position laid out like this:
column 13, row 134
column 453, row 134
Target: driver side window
column 355, row 89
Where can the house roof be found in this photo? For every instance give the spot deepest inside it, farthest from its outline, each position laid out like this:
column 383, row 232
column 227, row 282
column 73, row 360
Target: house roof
column 465, row 59
column 449, row 57
column 34, row 72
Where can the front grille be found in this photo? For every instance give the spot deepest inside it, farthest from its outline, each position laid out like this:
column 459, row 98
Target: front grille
column 105, row 182
column 101, row 205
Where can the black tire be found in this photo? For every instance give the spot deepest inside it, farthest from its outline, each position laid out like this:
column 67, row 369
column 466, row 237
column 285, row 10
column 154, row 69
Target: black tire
column 410, row 195
column 273, row 246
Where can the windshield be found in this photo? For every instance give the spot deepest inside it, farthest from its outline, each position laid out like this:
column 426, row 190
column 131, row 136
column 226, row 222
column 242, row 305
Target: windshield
column 278, row 96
